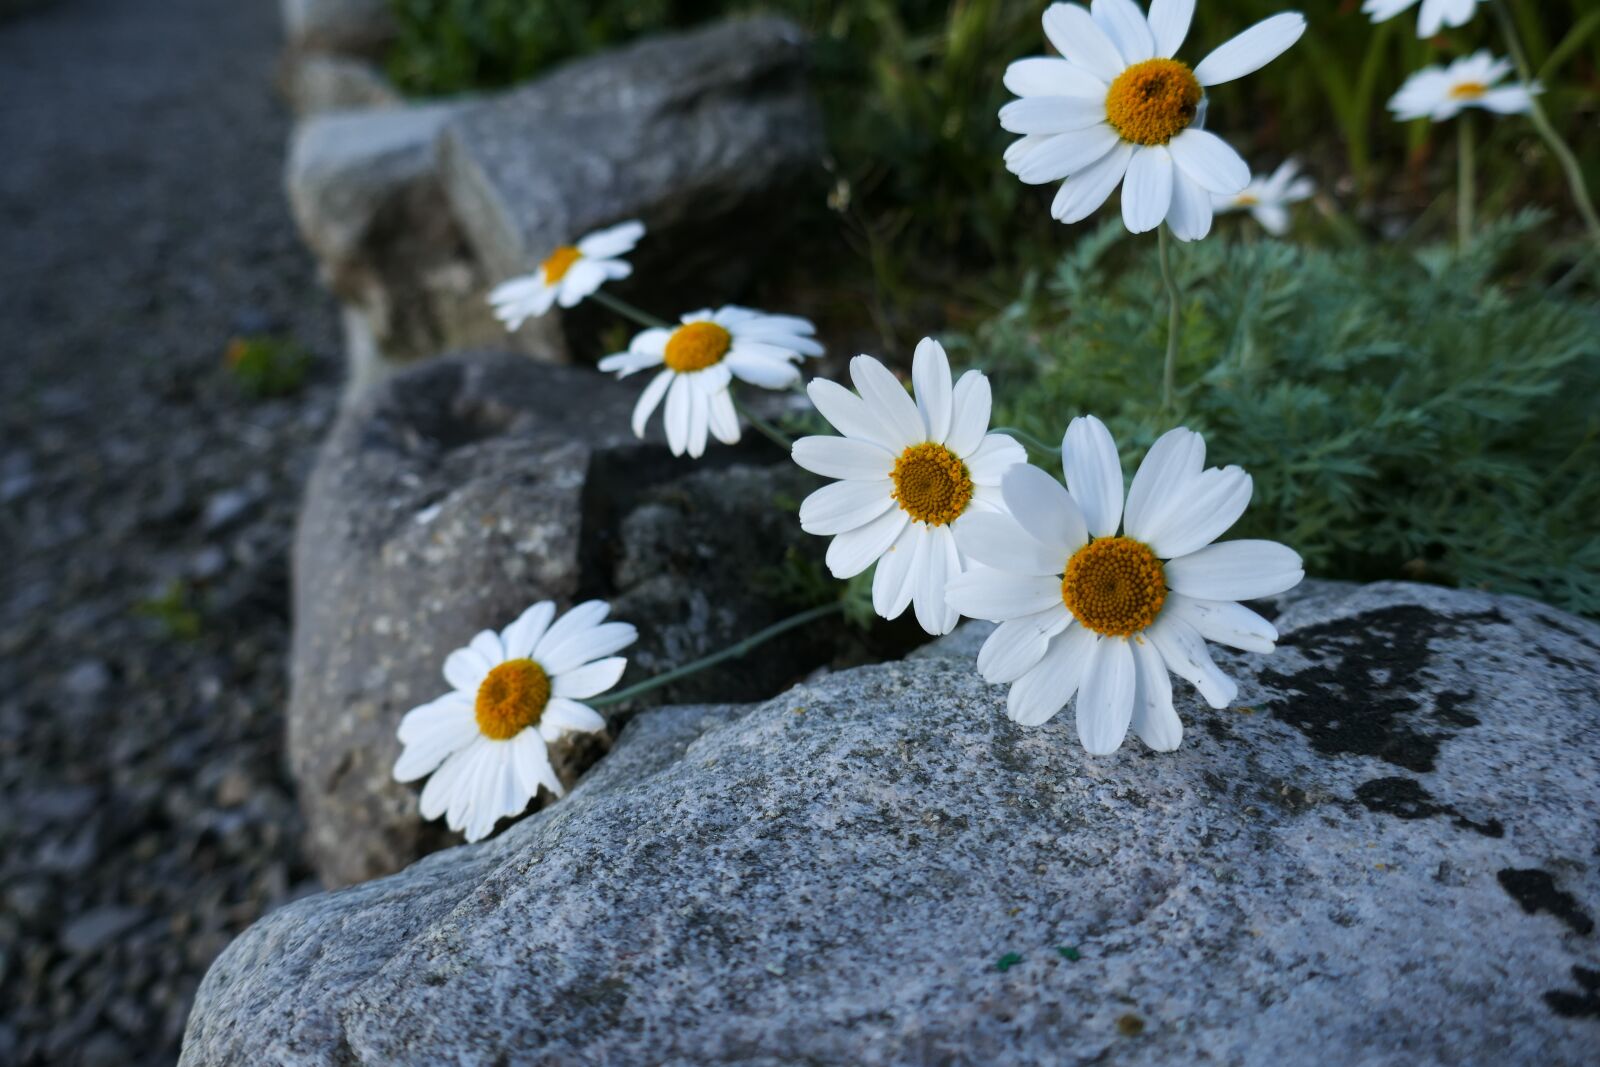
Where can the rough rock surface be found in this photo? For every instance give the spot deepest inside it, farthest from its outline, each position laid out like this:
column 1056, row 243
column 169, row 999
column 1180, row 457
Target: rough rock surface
column 415, row 213
column 316, row 83
column 354, row 27
column 465, row 490
column 1386, row 855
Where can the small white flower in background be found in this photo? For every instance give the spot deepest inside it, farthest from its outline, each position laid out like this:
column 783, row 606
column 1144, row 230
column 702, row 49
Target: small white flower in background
column 1268, row 199
column 1435, row 14
column 1440, row 93
column 1117, row 106
column 700, row 358
column 1085, row 611
column 567, row 275
column 912, row 473
column 512, row 694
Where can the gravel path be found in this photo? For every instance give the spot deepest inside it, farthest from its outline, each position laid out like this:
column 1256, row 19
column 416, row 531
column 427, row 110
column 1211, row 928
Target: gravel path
column 145, row 514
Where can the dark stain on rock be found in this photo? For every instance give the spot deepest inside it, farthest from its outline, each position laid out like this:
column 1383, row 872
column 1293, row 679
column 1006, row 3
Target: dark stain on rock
column 1585, row 1003
column 1359, row 695
column 1536, row 891
column 1405, row 798
column 1561, row 627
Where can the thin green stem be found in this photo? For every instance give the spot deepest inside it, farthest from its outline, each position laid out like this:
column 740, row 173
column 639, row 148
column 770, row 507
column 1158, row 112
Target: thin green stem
column 1028, row 440
column 763, row 427
column 733, row 651
column 1541, row 122
column 628, row 311
column 1169, row 373
column 1467, row 179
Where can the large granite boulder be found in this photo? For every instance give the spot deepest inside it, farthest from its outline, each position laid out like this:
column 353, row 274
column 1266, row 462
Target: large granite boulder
column 416, row 212
column 463, row 491
column 1385, row 856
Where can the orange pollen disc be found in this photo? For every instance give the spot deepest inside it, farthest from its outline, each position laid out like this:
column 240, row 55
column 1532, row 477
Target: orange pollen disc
column 1114, row 586
column 696, row 346
column 1154, row 101
column 931, row 484
column 559, row 262
column 1247, row 200
column 511, row 699
column 1468, row 90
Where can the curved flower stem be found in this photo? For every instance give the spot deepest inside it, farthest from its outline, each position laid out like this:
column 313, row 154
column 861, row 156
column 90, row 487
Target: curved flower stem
column 733, row 651
column 1541, row 122
column 762, row 426
column 1027, row 440
column 628, row 311
column 1467, row 180
column 1170, row 371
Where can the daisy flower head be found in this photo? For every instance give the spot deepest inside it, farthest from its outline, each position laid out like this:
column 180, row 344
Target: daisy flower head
column 1118, row 109
column 700, row 357
column 1434, row 16
column 1440, row 93
column 512, row 694
column 1086, row 610
column 1268, row 199
column 911, row 473
column 567, row 275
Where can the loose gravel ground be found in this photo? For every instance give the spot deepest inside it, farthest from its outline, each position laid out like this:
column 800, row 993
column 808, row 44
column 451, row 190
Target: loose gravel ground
column 146, row 506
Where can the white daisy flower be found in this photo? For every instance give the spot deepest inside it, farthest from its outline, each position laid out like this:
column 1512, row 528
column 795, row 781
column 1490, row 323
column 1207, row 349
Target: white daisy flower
column 1086, row 611
column 912, row 472
column 1435, row 14
column 1268, row 199
column 1440, row 93
column 512, row 694
column 567, row 275
column 1118, row 106
column 700, row 358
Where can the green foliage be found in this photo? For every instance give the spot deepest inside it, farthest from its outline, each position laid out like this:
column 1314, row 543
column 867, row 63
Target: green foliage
column 176, row 610
column 267, row 366
column 1402, row 415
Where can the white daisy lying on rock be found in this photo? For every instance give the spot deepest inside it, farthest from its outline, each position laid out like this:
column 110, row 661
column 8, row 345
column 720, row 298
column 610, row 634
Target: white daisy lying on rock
column 1118, row 109
column 699, row 360
column 1441, row 93
column 1086, row 611
column 512, row 694
column 911, row 473
column 567, row 275
column 1268, row 199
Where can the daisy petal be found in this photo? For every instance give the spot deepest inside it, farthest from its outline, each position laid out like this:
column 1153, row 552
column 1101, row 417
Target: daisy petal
column 1154, row 720
column 530, row 759
column 988, row 463
column 724, row 420
column 575, row 649
column 1147, row 190
column 1041, row 692
column 1052, row 114
column 590, row 679
column 487, row 644
column 1076, row 36
column 1236, row 570
column 1041, row 76
column 613, row 241
column 1204, row 510
column 847, row 412
column 431, row 733
column 520, row 637
column 854, row 551
column 649, row 399
column 1209, row 161
column 1105, row 698
column 892, row 586
column 1125, row 24
column 568, row 716
column 939, row 561
column 1083, row 193
column 465, row 669
column 626, row 363
column 1046, row 511
column 1224, row 622
column 845, row 505
column 889, row 403
column 1177, row 456
column 930, row 380
column 1094, row 474
column 1252, row 49
column 1186, row 656
column 999, row 541
column 680, row 408
column 767, row 373
column 1191, row 213
column 1017, row 645
column 843, row 457
column 985, row 593
column 1169, row 24
column 970, row 406
column 1066, row 153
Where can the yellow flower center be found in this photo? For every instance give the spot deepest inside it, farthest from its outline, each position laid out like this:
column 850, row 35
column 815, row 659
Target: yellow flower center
column 696, row 346
column 1247, row 200
column 1154, row 101
column 511, row 699
column 1114, row 586
column 559, row 262
column 1468, row 90
column 931, row 484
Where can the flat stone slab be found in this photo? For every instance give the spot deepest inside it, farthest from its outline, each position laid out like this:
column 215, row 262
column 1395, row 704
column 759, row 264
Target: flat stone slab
column 1385, row 855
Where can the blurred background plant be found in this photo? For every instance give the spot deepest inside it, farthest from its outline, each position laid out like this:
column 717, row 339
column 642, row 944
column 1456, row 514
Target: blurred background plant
column 265, row 366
